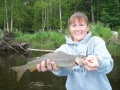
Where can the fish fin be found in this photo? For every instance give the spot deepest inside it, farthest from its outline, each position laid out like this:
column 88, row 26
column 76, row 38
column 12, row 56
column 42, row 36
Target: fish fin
column 19, row 71
column 32, row 69
column 70, row 67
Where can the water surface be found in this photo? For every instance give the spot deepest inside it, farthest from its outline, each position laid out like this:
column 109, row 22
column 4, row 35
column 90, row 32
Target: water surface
column 38, row 80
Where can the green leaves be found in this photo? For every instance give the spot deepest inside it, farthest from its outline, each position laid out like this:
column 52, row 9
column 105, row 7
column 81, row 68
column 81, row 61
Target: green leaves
column 34, row 15
column 102, row 31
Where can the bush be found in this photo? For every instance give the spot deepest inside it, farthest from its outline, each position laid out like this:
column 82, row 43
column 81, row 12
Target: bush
column 43, row 40
column 53, row 40
column 100, row 30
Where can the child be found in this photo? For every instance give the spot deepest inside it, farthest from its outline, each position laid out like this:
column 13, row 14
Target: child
column 91, row 75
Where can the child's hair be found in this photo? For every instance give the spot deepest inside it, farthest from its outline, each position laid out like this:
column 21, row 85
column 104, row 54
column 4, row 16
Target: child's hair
column 78, row 15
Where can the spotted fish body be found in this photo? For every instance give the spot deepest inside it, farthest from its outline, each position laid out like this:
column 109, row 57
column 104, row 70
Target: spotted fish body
column 61, row 60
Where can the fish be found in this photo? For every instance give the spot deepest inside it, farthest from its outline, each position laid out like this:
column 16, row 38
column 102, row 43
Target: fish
column 60, row 59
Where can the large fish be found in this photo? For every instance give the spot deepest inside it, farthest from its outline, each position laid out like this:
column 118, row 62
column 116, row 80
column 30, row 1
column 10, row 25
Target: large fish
column 61, row 60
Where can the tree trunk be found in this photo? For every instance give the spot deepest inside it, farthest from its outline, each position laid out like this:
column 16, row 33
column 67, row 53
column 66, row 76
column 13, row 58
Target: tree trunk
column 6, row 16
column 60, row 17
column 97, row 11
column 44, row 20
column 118, row 7
column 47, row 17
column 11, row 16
column 92, row 12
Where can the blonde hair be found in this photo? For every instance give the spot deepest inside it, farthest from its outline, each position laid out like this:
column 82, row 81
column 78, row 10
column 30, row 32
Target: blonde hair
column 78, row 15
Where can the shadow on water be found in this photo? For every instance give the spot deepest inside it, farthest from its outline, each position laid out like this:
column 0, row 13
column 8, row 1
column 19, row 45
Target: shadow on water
column 38, row 80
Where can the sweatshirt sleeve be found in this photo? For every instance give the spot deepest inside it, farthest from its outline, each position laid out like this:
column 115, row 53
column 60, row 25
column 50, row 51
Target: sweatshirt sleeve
column 104, row 57
column 63, row 71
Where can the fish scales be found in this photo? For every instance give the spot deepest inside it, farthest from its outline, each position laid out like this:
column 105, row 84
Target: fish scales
column 61, row 60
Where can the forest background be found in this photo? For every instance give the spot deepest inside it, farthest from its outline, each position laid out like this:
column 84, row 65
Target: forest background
column 31, row 19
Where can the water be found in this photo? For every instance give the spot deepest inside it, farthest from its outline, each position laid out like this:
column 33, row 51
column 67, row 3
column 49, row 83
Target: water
column 38, row 80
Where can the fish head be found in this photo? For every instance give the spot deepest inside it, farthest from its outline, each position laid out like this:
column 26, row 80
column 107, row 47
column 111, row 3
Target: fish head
column 79, row 60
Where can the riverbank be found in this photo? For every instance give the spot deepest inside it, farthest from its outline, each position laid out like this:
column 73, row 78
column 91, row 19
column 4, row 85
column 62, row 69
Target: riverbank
column 50, row 40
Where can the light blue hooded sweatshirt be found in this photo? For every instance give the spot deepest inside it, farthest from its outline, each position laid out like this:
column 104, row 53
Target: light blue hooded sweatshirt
column 78, row 78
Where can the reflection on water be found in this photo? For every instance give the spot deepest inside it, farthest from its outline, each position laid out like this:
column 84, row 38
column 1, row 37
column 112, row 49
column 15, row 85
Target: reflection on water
column 38, row 80
column 114, row 76
column 29, row 81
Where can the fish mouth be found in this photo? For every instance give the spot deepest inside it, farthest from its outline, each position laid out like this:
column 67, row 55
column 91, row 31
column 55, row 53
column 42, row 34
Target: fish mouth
column 76, row 63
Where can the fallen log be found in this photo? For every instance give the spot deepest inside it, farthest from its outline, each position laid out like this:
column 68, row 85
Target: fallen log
column 41, row 50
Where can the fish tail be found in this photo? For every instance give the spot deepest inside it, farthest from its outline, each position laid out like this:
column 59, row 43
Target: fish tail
column 19, row 71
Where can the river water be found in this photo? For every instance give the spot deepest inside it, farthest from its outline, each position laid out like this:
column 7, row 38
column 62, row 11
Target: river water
column 38, row 80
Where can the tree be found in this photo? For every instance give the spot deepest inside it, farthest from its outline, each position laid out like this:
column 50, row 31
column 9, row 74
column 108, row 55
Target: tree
column 6, row 10
column 34, row 15
column 92, row 12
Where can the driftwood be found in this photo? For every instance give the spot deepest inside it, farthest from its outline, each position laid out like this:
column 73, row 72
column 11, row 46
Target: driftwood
column 7, row 44
column 10, row 46
column 30, row 49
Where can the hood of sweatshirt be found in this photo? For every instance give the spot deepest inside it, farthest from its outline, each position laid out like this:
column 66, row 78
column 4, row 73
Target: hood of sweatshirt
column 77, row 48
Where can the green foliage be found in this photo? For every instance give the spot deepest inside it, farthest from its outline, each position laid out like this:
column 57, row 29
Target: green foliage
column 42, row 40
column 100, row 30
column 17, row 33
column 32, row 15
column 119, row 31
column 53, row 40
column 114, row 49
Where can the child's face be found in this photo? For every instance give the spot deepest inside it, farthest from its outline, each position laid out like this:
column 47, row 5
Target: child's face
column 79, row 29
